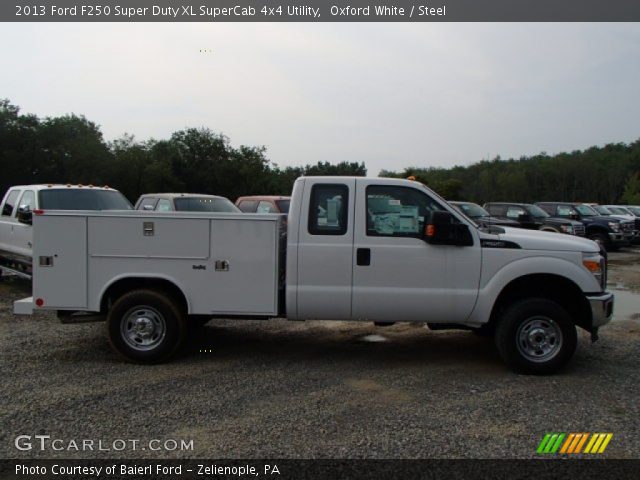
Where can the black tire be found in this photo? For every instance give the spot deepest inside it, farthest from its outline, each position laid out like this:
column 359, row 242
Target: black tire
column 601, row 239
column 529, row 327
column 155, row 318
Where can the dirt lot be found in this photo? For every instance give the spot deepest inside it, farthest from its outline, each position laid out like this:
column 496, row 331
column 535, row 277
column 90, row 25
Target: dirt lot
column 314, row 389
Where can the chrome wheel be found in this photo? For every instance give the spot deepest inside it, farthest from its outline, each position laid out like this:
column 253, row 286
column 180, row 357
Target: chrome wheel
column 143, row 328
column 539, row 339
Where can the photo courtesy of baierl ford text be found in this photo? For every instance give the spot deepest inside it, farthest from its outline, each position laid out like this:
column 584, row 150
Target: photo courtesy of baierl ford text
column 319, row 240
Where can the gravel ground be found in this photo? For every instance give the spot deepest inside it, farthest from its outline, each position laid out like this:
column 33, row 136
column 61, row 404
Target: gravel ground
column 315, row 389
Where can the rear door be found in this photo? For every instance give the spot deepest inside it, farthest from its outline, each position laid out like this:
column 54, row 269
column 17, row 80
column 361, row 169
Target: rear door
column 397, row 276
column 325, row 249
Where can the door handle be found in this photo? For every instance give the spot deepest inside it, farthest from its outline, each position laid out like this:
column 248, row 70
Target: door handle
column 363, row 256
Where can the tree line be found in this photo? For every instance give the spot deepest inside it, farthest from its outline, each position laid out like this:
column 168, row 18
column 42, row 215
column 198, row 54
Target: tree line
column 71, row 149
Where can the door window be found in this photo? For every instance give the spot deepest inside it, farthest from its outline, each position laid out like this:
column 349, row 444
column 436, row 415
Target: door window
column 328, row 209
column 27, row 201
column 248, row 206
column 164, row 205
column 398, row 211
column 565, row 210
column 7, row 209
column 148, row 203
column 515, row 212
column 266, row 207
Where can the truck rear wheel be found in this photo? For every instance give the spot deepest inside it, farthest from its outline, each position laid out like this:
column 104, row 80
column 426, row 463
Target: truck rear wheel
column 146, row 326
column 536, row 336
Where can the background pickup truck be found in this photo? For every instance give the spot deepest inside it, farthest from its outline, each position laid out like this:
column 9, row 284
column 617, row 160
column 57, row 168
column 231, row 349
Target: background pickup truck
column 20, row 202
column 533, row 217
column 610, row 233
column 362, row 249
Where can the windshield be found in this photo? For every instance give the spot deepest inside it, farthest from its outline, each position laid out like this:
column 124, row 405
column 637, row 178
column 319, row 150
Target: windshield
column 472, row 210
column 634, row 210
column 602, row 210
column 283, row 205
column 537, row 212
column 83, row 199
column 586, row 211
column 205, row 204
column 618, row 210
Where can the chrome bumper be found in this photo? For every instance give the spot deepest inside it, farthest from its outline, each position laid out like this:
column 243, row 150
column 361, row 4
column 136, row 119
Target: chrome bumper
column 601, row 308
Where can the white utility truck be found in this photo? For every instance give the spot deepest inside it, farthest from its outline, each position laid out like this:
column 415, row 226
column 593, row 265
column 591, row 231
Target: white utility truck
column 362, row 249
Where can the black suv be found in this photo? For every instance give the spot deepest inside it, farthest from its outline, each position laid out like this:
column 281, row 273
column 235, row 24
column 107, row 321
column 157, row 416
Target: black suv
column 479, row 215
column 534, row 218
column 609, row 232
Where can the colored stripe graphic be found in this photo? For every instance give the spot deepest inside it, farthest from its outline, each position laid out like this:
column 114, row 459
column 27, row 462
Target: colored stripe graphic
column 573, row 443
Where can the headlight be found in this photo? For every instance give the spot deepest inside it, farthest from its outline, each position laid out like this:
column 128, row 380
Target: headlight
column 566, row 228
column 614, row 226
column 595, row 263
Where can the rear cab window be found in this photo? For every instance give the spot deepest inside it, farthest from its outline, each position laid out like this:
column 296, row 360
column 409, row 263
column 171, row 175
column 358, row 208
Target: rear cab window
column 248, row 206
column 328, row 209
column 82, row 199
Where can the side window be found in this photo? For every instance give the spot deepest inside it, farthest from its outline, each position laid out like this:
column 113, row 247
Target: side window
column 7, row 208
column 328, row 209
column 28, row 201
column 497, row 210
column 164, row 205
column 148, row 203
column 398, row 211
column 248, row 206
column 266, row 207
column 515, row 212
column 564, row 210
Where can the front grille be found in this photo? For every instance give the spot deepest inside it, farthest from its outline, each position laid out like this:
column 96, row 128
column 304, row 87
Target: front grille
column 578, row 230
column 627, row 227
column 637, row 223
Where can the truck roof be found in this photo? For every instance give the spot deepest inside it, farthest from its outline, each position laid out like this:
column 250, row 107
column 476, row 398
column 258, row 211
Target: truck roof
column 263, row 197
column 46, row 186
column 180, row 195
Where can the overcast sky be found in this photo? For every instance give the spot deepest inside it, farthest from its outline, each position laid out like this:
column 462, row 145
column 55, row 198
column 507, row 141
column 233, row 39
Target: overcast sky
column 391, row 95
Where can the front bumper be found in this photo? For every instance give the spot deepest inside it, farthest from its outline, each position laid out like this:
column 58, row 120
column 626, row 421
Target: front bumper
column 601, row 308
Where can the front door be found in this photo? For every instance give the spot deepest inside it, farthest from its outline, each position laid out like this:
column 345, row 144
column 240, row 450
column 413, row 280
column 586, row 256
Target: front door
column 397, row 276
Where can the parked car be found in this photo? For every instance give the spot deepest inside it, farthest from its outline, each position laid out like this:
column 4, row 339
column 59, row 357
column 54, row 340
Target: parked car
column 534, row 218
column 483, row 218
column 360, row 249
column 19, row 204
column 185, row 202
column 634, row 209
column 610, row 233
column 624, row 213
column 264, row 204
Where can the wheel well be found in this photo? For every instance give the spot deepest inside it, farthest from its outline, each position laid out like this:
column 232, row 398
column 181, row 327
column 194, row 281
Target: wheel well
column 125, row 285
column 553, row 287
column 596, row 229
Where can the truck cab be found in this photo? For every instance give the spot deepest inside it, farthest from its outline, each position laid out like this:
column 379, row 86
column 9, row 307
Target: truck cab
column 16, row 215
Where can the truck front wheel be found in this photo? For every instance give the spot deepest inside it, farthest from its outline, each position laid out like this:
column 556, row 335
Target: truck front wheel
column 536, row 336
column 146, row 326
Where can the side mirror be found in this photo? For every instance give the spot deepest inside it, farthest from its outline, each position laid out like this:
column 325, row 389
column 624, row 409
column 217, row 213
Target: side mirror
column 25, row 215
column 574, row 216
column 524, row 217
column 147, row 208
column 444, row 229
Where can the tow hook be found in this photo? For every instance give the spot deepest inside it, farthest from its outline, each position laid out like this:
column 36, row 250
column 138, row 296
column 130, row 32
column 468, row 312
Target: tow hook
column 594, row 335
